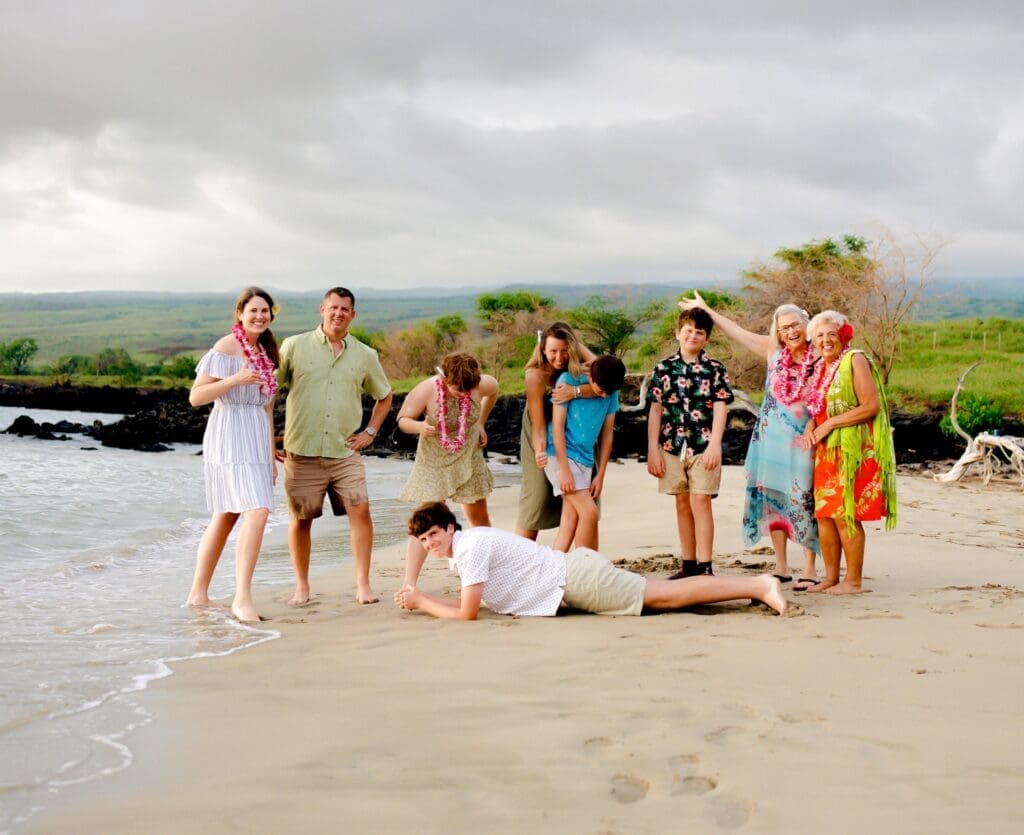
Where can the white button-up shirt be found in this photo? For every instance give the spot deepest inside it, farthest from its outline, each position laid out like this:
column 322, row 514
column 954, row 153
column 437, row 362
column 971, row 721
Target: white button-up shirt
column 520, row 577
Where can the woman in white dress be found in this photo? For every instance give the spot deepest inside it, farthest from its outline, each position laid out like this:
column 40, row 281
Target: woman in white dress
column 237, row 376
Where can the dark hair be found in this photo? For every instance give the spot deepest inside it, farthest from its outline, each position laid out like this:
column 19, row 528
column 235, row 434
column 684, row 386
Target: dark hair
column 266, row 340
column 340, row 291
column 461, row 371
column 608, row 372
column 700, row 319
column 429, row 514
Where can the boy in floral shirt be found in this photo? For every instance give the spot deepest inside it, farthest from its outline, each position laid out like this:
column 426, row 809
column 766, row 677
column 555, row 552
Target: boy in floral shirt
column 688, row 395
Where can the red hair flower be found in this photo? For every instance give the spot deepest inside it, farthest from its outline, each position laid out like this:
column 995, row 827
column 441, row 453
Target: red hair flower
column 846, row 333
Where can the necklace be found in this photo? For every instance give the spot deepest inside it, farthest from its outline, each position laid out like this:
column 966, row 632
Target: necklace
column 448, row 444
column 790, row 378
column 258, row 360
column 820, row 383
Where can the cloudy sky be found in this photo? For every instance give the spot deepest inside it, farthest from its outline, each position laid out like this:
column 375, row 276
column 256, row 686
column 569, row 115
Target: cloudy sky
column 206, row 145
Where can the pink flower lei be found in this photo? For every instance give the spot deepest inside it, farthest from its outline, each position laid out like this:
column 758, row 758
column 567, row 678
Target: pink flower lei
column 448, row 444
column 821, row 381
column 787, row 386
column 258, row 360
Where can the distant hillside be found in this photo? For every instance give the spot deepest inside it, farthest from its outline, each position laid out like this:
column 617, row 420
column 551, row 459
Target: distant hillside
column 164, row 324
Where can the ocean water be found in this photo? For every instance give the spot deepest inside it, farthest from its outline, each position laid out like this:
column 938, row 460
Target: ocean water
column 97, row 548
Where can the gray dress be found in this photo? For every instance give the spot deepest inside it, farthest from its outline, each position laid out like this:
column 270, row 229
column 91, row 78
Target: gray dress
column 237, row 457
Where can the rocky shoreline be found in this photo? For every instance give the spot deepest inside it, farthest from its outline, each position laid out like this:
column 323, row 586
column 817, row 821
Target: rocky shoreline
column 158, row 417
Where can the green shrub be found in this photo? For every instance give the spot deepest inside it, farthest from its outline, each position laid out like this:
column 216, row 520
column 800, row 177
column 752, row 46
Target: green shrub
column 975, row 414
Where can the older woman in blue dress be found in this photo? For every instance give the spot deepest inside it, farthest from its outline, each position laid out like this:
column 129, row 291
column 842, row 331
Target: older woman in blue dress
column 779, row 468
column 237, row 376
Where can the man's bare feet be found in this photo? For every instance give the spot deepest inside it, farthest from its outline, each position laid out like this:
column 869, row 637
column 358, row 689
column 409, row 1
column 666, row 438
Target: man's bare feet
column 845, row 587
column 364, row 594
column 245, row 613
column 821, row 585
column 773, row 594
column 301, row 596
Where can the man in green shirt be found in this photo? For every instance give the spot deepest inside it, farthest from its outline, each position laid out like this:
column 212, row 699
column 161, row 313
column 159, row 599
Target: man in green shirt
column 326, row 372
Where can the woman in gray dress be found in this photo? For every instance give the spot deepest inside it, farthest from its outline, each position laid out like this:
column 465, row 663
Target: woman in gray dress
column 237, row 376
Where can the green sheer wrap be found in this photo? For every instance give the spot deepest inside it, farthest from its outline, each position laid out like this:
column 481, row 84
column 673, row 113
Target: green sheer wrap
column 849, row 446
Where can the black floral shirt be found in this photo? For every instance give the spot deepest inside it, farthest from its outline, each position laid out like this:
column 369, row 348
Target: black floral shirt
column 688, row 391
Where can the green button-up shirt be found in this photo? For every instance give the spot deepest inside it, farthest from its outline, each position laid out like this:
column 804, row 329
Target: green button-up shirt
column 325, row 393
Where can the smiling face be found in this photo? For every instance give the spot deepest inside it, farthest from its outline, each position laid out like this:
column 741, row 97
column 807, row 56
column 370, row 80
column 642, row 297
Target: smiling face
column 438, row 541
column 338, row 313
column 691, row 340
column 792, row 332
column 826, row 340
column 556, row 352
column 255, row 316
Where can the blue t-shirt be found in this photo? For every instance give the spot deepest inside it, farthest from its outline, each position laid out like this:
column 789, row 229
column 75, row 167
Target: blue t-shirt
column 584, row 421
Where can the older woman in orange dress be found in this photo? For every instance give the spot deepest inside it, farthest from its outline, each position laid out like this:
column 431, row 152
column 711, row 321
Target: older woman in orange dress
column 854, row 462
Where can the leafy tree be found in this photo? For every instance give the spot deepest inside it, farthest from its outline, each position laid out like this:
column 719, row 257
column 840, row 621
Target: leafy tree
column 876, row 285
column 611, row 330
column 497, row 310
column 449, row 328
column 14, row 355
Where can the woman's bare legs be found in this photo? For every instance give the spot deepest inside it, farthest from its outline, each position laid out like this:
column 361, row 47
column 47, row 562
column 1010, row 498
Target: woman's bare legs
column 247, row 550
column 853, row 547
column 831, row 552
column 208, row 555
column 779, row 540
column 477, row 515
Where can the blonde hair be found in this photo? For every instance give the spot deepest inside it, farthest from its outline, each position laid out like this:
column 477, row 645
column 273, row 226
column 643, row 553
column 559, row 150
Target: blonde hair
column 782, row 310
column 564, row 332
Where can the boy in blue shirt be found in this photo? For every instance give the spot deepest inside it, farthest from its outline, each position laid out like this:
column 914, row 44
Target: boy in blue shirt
column 568, row 461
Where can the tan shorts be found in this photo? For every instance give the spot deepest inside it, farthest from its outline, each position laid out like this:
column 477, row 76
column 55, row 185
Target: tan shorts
column 688, row 476
column 592, row 584
column 308, row 479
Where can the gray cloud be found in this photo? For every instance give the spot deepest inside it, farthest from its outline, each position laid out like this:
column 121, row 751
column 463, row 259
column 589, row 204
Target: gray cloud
column 399, row 143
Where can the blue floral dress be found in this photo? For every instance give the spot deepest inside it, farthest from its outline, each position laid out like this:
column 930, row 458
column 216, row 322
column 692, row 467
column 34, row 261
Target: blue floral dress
column 780, row 475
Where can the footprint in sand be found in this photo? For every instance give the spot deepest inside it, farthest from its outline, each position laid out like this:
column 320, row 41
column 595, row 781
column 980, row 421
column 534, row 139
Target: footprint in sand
column 728, row 812
column 629, row 789
column 598, row 743
column 692, row 786
column 725, row 734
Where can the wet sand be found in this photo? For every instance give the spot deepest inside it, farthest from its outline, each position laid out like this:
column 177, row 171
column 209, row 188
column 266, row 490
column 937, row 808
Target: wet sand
column 896, row 710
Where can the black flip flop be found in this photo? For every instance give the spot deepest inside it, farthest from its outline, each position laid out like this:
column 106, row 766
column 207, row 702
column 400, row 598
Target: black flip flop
column 811, row 581
column 782, row 578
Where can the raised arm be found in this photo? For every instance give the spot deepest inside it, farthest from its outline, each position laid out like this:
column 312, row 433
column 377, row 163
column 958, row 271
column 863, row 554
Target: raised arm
column 756, row 343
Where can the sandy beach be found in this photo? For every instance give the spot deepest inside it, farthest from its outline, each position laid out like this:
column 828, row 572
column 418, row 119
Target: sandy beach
column 898, row 710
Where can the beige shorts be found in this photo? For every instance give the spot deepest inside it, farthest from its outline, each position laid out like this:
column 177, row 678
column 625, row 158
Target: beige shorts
column 308, row 479
column 688, row 476
column 592, row 584
column 581, row 476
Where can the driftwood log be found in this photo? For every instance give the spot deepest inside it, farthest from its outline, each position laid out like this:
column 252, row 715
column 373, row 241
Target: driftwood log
column 992, row 451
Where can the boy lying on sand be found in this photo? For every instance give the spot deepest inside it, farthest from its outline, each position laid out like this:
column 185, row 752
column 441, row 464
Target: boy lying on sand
column 516, row 576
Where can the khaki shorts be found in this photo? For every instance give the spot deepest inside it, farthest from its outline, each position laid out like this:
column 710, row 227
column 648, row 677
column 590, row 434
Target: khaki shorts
column 688, row 476
column 581, row 475
column 592, row 584
column 308, row 479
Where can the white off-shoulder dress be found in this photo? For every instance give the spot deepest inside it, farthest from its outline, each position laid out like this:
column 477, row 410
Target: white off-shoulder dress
column 237, row 457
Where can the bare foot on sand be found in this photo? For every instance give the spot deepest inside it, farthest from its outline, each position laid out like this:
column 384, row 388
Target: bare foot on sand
column 245, row 613
column 821, row 585
column 773, row 594
column 198, row 602
column 845, row 587
column 301, row 596
column 364, row 594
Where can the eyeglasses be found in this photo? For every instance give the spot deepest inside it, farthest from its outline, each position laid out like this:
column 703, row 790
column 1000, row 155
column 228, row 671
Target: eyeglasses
column 791, row 327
